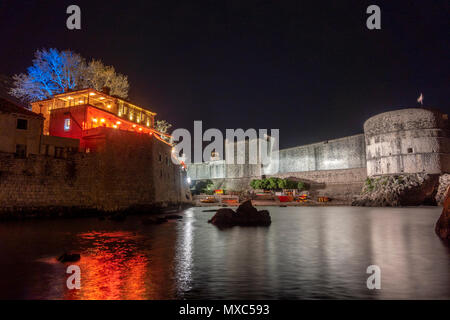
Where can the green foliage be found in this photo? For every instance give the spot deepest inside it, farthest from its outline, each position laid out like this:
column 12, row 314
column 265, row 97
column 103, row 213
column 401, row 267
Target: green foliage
column 282, row 183
column 255, row 184
column 203, row 186
column 276, row 184
column 301, row 185
column 272, row 183
column 370, row 184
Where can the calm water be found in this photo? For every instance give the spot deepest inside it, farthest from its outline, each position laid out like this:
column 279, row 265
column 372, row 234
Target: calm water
column 307, row 253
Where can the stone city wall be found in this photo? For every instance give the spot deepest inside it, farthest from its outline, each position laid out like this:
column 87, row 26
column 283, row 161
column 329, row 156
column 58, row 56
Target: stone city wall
column 130, row 171
column 408, row 141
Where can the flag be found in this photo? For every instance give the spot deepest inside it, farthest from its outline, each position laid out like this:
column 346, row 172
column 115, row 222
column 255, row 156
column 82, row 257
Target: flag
column 420, row 99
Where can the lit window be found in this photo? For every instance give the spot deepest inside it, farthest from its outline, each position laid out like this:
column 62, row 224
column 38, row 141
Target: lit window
column 66, row 124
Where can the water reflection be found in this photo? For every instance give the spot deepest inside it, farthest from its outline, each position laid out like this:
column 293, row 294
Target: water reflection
column 307, row 253
column 184, row 250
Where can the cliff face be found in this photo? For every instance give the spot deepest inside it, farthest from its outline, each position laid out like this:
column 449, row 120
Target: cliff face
column 443, row 224
column 398, row 190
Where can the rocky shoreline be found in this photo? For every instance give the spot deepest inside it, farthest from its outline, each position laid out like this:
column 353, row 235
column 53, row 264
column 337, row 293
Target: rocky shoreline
column 399, row 190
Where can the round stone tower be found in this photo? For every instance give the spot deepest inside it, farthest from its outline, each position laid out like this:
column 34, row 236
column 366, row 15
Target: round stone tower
column 408, row 141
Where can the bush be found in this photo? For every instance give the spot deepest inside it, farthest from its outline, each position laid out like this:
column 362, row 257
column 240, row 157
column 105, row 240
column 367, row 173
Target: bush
column 272, row 183
column 369, row 184
column 203, row 186
column 301, row 185
column 255, row 184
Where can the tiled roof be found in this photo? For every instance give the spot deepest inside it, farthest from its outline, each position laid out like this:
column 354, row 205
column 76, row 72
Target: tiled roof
column 7, row 106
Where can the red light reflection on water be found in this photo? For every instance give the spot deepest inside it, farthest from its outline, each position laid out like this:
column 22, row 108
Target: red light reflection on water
column 115, row 266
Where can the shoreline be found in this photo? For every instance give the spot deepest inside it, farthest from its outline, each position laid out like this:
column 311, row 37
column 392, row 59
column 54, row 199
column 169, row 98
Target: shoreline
column 52, row 213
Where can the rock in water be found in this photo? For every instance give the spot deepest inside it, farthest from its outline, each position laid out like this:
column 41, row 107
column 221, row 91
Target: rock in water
column 245, row 215
column 69, row 257
column 443, row 224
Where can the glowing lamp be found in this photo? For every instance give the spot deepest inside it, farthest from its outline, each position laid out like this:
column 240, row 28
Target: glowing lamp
column 70, row 98
column 140, row 129
column 80, row 101
column 94, row 119
column 114, row 126
column 102, row 120
column 92, row 94
column 101, row 98
column 134, row 126
column 118, row 122
column 108, row 106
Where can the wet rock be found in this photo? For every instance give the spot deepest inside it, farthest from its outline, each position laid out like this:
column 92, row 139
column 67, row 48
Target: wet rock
column 443, row 224
column 245, row 215
column 69, row 257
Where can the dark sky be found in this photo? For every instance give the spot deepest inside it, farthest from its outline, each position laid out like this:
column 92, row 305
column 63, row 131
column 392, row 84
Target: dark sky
column 310, row 68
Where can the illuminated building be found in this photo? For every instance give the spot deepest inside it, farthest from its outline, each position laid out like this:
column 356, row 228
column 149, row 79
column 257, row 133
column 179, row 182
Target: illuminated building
column 84, row 114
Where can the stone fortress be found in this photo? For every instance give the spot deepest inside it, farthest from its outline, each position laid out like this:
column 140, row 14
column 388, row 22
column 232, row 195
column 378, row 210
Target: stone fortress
column 405, row 141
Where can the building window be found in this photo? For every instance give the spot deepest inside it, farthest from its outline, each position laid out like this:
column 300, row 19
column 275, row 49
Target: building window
column 21, row 151
column 66, row 124
column 410, row 150
column 22, row 124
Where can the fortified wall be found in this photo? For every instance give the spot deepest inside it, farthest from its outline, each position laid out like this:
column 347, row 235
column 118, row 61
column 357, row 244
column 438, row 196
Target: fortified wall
column 414, row 140
column 130, row 171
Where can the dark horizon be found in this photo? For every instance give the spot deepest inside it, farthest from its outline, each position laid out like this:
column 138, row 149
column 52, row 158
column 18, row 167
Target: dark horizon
column 312, row 70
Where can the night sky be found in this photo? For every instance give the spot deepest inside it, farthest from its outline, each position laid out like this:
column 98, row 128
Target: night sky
column 310, row 68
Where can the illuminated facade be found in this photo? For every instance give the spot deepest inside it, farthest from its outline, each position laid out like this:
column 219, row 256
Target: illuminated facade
column 80, row 114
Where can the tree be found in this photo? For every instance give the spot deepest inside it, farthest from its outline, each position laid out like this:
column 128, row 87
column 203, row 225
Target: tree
column 272, row 183
column 97, row 76
column 52, row 72
column 282, row 184
column 301, row 185
column 56, row 71
column 203, row 186
column 163, row 126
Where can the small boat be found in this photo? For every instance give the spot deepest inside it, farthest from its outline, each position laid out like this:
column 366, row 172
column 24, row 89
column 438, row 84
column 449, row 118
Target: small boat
column 208, row 200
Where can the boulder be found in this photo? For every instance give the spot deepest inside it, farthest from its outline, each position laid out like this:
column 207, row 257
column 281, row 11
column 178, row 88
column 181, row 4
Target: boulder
column 443, row 224
column 245, row 215
column 69, row 257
